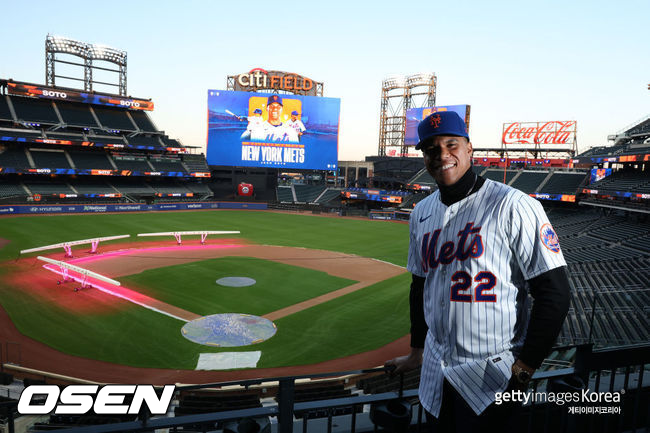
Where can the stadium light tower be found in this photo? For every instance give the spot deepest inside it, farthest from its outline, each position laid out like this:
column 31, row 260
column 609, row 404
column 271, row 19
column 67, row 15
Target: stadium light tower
column 398, row 94
column 87, row 52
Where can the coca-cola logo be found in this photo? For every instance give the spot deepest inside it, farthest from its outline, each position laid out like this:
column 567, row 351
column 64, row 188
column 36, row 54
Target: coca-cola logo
column 557, row 132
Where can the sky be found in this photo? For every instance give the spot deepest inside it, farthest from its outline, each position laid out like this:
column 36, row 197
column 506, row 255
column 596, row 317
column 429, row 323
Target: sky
column 511, row 61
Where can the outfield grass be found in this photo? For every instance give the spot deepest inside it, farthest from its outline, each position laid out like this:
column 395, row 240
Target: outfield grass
column 383, row 240
column 193, row 287
column 132, row 335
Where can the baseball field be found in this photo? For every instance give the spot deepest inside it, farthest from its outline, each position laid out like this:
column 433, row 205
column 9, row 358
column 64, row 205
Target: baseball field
column 333, row 287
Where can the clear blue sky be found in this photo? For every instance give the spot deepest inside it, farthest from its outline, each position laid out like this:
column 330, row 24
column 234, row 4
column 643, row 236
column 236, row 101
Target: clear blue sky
column 511, row 61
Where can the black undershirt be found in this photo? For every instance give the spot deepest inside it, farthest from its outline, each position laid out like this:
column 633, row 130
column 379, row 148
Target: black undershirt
column 550, row 292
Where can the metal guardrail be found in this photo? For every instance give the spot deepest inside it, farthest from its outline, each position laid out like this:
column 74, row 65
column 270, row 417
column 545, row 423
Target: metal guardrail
column 612, row 370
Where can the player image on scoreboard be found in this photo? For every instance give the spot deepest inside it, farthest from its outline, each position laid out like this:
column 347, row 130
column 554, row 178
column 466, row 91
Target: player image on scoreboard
column 253, row 129
column 268, row 119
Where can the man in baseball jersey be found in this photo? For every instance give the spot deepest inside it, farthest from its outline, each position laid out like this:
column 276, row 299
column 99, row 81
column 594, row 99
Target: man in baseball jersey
column 477, row 249
column 274, row 129
column 296, row 124
column 254, row 126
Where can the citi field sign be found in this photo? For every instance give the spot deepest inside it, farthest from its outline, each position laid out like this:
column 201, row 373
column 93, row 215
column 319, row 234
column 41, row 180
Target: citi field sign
column 258, row 78
column 555, row 132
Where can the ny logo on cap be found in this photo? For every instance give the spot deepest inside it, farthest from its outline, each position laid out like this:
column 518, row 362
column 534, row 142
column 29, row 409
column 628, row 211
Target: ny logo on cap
column 275, row 98
column 435, row 120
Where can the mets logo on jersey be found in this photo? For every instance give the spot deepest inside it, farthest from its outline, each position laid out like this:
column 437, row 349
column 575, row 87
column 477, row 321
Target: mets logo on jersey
column 549, row 238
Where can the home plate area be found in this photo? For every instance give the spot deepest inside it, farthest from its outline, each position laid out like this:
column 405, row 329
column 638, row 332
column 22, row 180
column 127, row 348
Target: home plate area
column 228, row 330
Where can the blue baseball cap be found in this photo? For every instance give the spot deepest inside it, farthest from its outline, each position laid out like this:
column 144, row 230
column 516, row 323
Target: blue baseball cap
column 441, row 123
column 274, row 98
column 294, row 112
column 257, row 111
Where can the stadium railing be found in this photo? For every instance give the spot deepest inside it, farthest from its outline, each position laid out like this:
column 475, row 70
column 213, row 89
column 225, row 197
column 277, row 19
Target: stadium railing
column 615, row 370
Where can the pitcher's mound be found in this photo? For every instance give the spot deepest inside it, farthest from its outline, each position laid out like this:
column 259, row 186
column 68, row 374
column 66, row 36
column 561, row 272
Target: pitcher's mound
column 236, row 281
column 229, row 330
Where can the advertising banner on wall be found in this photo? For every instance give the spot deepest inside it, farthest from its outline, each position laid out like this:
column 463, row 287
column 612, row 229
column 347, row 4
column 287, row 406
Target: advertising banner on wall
column 415, row 115
column 555, row 132
column 250, row 129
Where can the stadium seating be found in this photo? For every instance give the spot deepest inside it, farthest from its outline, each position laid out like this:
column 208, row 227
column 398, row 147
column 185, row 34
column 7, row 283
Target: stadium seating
column 563, row 183
column 47, row 187
column 133, row 186
column 195, row 163
column 167, row 164
column 142, row 120
column 198, row 188
column 113, row 118
column 143, row 140
column 35, row 110
column 385, row 383
column 169, row 187
column 529, row 181
column 5, row 113
column 422, row 178
column 92, row 187
column 329, row 194
column 75, row 114
column 49, row 159
column 132, row 162
column 623, row 181
column 285, row 194
column 497, row 175
column 13, row 157
column 90, row 160
column 11, row 189
column 308, row 193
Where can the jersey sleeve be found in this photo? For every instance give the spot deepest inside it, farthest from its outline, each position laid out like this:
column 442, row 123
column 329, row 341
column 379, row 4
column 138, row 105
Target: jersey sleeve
column 414, row 264
column 533, row 240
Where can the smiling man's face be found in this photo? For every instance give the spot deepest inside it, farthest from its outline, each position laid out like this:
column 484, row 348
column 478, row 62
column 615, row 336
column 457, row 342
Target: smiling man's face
column 447, row 158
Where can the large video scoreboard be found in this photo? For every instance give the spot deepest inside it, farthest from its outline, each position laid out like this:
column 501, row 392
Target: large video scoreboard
column 253, row 129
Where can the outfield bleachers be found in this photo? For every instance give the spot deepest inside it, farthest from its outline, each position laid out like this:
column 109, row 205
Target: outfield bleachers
column 169, row 187
column 77, row 114
column 143, row 121
column 623, row 181
column 529, row 181
column 563, row 183
column 90, row 160
column 48, row 187
column 113, row 118
column 11, row 189
column 132, row 163
column 422, row 178
column 195, row 163
column 92, row 187
column 284, row 194
column 132, row 186
column 308, row 193
column 5, row 113
column 35, row 110
column 143, row 140
column 329, row 195
column 167, row 164
column 13, row 157
column 497, row 175
column 49, row 159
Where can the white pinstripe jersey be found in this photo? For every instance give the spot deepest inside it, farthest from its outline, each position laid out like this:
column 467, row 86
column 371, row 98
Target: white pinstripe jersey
column 477, row 255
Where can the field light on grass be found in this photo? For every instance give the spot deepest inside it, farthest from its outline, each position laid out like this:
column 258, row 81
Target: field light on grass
column 66, row 268
column 203, row 233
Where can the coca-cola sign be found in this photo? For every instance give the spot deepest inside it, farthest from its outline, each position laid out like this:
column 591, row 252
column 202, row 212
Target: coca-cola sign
column 556, row 132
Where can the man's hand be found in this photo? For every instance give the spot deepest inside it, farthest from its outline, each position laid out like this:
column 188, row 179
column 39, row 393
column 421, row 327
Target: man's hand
column 518, row 367
column 406, row 363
